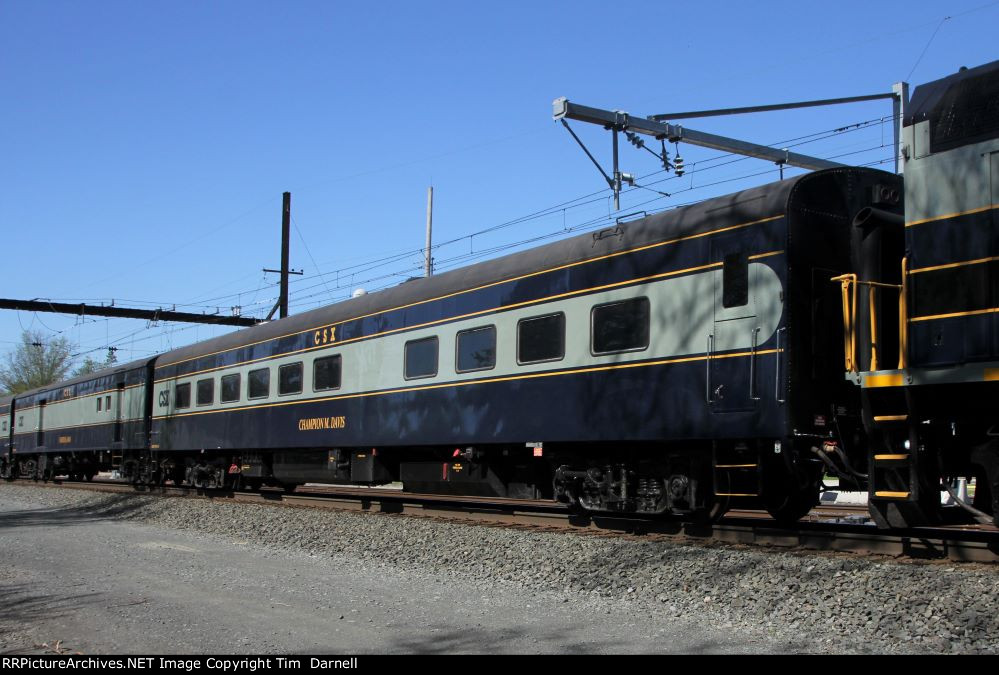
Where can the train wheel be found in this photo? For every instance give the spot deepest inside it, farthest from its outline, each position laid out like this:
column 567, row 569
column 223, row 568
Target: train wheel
column 176, row 473
column 149, row 473
column 129, row 471
column 987, row 495
column 718, row 509
column 719, row 504
column 985, row 459
column 790, row 490
column 165, row 471
column 792, row 506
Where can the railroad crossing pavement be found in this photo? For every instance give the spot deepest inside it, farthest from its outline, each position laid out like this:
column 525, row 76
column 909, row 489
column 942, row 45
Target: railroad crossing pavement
column 103, row 586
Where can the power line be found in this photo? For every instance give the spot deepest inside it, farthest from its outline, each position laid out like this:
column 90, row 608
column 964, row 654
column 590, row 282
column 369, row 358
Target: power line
column 351, row 271
column 366, row 272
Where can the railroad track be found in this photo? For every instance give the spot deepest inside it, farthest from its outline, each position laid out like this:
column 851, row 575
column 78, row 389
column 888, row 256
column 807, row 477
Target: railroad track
column 840, row 528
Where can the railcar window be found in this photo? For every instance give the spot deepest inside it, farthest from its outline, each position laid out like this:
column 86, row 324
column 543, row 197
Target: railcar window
column 182, row 396
column 326, row 373
column 206, row 391
column 260, row 383
column 541, row 338
column 421, row 358
column 20, row 421
column 230, row 388
column 107, row 403
column 620, row 326
column 5, row 425
column 735, row 280
column 99, row 400
column 476, row 349
column 290, row 379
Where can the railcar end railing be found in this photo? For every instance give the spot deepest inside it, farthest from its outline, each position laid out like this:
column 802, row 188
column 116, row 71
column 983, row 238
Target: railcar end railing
column 850, row 284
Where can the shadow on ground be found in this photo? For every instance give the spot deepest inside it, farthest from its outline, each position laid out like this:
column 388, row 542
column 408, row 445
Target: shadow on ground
column 441, row 640
column 23, row 608
column 110, row 507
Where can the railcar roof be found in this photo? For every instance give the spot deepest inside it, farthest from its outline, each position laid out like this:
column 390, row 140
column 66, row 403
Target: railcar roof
column 740, row 207
column 117, row 368
column 930, row 95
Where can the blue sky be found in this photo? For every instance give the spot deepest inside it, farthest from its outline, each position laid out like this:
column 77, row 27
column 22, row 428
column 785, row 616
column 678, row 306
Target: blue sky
column 144, row 146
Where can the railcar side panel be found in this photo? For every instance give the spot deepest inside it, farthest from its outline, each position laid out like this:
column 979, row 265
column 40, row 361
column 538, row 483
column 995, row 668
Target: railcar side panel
column 6, row 429
column 952, row 219
column 704, row 351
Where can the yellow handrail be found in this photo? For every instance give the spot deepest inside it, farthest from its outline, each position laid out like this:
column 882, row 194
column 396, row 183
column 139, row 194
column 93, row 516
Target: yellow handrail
column 903, row 318
column 850, row 283
column 849, row 319
column 872, row 301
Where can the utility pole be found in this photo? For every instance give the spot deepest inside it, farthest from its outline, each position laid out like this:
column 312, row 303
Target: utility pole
column 429, row 266
column 285, row 246
column 282, row 302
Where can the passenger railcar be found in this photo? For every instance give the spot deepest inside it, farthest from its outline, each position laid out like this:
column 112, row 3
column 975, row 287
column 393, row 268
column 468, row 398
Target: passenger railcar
column 663, row 365
column 676, row 364
column 75, row 427
column 6, row 403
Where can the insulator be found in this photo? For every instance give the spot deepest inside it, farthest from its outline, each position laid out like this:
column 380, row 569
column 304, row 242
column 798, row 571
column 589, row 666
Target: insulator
column 634, row 139
column 678, row 165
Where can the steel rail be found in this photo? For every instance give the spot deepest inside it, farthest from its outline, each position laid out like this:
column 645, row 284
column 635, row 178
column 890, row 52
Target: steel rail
column 843, row 529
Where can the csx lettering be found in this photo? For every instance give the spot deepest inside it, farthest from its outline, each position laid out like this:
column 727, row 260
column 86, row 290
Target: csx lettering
column 324, row 336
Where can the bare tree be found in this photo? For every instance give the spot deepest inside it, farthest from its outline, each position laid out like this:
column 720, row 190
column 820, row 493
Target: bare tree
column 90, row 365
column 35, row 362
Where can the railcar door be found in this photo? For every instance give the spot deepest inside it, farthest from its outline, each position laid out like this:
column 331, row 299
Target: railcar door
column 40, row 429
column 732, row 368
column 119, row 395
column 993, row 274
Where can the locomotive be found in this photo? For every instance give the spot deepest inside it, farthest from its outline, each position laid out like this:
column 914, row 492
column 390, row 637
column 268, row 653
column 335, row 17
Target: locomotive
column 930, row 284
column 729, row 353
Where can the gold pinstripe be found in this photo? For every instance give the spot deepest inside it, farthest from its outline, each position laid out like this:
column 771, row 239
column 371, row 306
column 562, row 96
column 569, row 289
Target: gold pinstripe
column 93, row 424
column 950, row 265
column 73, row 398
column 991, row 310
column 494, row 310
column 980, row 209
column 465, row 383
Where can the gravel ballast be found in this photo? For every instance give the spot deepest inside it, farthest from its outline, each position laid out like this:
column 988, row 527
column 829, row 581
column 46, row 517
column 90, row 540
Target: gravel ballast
column 816, row 602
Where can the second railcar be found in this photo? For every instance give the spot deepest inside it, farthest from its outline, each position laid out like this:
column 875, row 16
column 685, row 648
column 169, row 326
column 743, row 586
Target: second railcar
column 81, row 425
column 668, row 364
